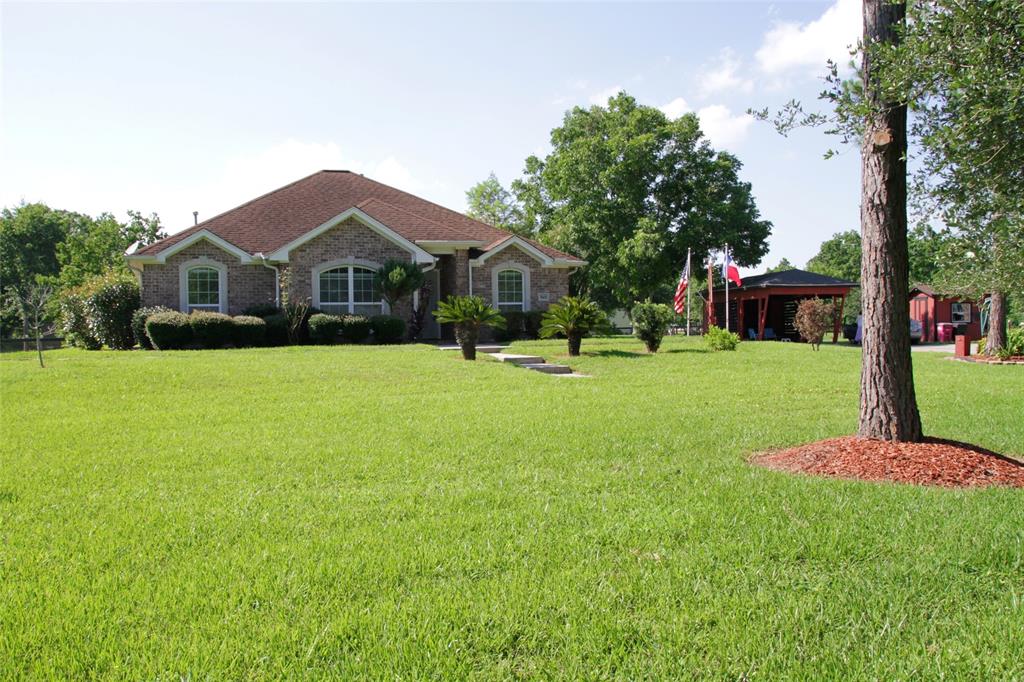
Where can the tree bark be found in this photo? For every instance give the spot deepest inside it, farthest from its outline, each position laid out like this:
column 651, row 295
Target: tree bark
column 996, row 338
column 888, row 406
column 575, row 340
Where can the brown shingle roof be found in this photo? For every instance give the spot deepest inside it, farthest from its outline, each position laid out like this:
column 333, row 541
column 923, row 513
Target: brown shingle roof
column 272, row 220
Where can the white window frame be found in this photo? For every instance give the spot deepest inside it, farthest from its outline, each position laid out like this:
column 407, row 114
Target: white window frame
column 965, row 309
column 222, row 282
column 351, row 264
column 522, row 270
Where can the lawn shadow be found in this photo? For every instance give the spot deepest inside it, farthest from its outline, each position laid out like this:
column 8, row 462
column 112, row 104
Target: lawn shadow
column 617, row 354
column 687, row 350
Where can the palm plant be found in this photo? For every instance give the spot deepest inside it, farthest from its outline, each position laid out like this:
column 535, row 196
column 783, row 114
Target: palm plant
column 468, row 314
column 573, row 317
column 397, row 279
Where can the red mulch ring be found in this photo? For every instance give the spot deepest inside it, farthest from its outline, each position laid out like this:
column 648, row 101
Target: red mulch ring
column 934, row 462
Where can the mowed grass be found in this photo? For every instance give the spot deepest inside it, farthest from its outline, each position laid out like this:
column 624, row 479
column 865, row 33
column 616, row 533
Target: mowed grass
column 397, row 513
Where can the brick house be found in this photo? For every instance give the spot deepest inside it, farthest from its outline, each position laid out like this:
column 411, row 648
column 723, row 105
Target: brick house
column 328, row 233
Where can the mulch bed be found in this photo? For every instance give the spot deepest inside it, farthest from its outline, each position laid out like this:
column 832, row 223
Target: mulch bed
column 990, row 360
column 934, row 462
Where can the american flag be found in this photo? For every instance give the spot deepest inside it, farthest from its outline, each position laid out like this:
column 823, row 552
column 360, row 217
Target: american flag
column 684, row 281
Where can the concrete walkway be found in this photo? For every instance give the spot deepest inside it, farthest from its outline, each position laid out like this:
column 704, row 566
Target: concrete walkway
column 933, row 348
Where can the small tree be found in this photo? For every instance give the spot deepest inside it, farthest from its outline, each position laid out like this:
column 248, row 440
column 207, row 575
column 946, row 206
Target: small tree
column 419, row 313
column 397, row 279
column 33, row 300
column 814, row 317
column 650, row 323
column 573, row 317
column 468, row 314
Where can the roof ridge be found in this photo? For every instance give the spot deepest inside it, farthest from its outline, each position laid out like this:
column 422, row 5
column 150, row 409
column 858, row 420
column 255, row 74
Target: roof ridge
column 199, row 226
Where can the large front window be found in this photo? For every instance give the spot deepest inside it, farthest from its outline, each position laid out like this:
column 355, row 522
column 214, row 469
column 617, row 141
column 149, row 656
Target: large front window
column 203, row 289
column 349, row 290
column 510, row 290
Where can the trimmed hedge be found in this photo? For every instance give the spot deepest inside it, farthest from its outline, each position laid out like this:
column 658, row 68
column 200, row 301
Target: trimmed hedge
column 520, row 325
column 75, row 321
column 717, row 339
column 139, row 318
column 248, row 330
column 113, row 300
column 324, row 328
column 277, row 329
column 169, row 331
column 261, row 310
column 355, row 328
column 387, row 328
column 211, row 330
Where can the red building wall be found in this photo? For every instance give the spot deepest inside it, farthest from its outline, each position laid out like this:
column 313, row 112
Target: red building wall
column 930, row 311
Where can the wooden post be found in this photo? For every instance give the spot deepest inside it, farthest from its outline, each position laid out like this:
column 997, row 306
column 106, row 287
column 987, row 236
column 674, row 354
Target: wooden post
column 838, row 317
column 762, row 307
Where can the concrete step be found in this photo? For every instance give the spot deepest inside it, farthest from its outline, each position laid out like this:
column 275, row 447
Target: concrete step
column 546, row 368
column 518, row 359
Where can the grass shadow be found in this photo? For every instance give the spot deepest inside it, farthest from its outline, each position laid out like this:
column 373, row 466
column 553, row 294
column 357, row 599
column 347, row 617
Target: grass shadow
column 686, row 350
column 617, row 354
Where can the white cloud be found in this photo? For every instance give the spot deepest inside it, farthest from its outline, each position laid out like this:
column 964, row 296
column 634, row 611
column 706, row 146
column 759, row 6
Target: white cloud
column 792, row 45
column 601, row 98
column 723, row 75
column 724, row 129
column 675, row 108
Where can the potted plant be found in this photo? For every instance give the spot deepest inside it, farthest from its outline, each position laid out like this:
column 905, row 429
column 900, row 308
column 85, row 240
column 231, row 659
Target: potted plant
column 573, row 317
column 468, row 314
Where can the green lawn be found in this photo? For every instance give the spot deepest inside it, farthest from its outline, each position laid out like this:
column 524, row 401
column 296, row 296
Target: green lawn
column 398, row 513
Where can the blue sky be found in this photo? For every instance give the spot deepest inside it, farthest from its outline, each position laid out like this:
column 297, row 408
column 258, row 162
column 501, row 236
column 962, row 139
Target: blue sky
column 180, row 107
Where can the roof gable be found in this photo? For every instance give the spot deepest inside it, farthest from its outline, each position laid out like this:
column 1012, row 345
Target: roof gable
column 274, row 220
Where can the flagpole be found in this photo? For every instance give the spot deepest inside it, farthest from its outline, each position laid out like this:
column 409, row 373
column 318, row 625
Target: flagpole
column 725, row 271
column 688, row 293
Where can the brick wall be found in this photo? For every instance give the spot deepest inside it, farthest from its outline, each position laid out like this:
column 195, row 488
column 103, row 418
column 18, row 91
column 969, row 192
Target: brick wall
column 551, row 281
column 248, row 284
column 348, row 240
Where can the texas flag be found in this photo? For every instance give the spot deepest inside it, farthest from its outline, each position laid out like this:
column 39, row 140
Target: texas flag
column 730, row 271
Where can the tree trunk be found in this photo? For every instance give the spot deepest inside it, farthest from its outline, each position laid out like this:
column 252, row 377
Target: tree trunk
column 888, row 406
column 996, row 338
column 574, row 345
column 466, row 335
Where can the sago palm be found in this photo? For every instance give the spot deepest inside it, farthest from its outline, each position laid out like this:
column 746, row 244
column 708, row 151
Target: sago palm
column 468, row 314
column 573, row 317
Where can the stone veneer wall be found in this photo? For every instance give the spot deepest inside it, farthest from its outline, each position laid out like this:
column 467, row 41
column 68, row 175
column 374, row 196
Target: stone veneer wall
column 348, row 240
column 552, row 281
column 248, row 284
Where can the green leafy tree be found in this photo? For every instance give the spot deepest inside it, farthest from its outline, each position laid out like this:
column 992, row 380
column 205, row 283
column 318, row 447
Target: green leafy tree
column 491, row 203
column 397, row 279
column 783, row 265
column 572, row 317
column 838, row 257
column 29, row 237
column 94, row 246
column 469, row 314
column 629, row 190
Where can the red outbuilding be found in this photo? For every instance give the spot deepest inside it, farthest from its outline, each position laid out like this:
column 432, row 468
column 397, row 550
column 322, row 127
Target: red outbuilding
column 932, row 309
column 765, row 306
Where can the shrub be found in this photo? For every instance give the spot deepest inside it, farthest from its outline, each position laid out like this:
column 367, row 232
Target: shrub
column 112, row 301
column 813, row 318
column 355, row 328
column 324, row 328
column 520, row 325
column 387, row 328
column 211, row 330
column 248, row 330
column 261, row 310
column 468, row 314
column 717, row 339
column 397, row 279
column 573, row 317
column 75, row 322
column 169, row 331
column 139, row 324
column 532, row 321
column 650, row 323
column 277, row 329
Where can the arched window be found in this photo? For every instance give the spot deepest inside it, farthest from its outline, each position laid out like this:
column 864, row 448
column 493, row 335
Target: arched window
column 349, row 289
column 203, row 286
column 511, row 291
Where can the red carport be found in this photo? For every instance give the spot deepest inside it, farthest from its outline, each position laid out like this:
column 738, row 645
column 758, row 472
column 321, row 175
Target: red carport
column 764, row 307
